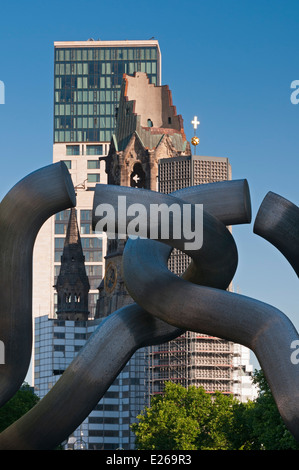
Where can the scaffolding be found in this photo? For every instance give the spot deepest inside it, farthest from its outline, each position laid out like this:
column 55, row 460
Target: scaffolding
column 192, row 360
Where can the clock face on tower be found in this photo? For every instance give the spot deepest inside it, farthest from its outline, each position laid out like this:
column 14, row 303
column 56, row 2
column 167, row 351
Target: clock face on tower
column 110, row 277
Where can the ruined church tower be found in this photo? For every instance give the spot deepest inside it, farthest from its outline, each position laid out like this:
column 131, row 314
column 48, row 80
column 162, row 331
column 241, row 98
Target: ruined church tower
column 72, row 284
column 148, row 129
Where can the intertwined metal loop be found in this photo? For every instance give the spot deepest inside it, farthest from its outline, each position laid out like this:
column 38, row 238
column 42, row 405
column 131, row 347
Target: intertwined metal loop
column 165, row 304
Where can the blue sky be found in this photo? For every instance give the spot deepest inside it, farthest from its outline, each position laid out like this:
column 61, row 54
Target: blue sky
column 230, row 63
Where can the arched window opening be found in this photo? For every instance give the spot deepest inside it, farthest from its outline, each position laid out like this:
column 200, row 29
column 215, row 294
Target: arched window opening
column 137, row 178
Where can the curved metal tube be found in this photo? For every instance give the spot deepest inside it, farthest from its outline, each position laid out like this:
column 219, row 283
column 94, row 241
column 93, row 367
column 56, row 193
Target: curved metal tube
column 215, row 262
column 90, row 374
column 277, row 221
column 86, row 380
column 259, row 326
column 228, row 201
column 22, row 213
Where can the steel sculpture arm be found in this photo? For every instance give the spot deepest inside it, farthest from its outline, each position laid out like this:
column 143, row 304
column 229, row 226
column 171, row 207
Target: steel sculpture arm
column 193, row 307
column 277, row 221
column 259, row 326
column 22, row 213
column 216, row 260
column 96, row 366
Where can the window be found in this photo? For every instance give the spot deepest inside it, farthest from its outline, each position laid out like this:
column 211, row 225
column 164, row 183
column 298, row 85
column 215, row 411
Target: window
column 137, row 178
column 94, row 270
column 105, row 407
column 93, row 256
column 93, row 164
column 91, row 242
column 59, row 243
column 93, row 178
column 80, row 335
column 86, row 228
column 58, row 335
column 57, row 257
column 63, row 215
column 102, row 420
column 85, row 214
column 73, row 150
column 60, row 229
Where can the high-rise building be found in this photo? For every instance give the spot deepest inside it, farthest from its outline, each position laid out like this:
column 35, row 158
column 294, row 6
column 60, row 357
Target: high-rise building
column 87, row 83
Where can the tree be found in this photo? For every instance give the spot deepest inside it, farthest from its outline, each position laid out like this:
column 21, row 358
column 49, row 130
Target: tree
column 268, row 430
column 17, row 406
column 185, row 419
column 190, row 419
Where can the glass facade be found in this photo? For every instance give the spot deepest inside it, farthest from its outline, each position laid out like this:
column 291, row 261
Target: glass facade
column 87, row 83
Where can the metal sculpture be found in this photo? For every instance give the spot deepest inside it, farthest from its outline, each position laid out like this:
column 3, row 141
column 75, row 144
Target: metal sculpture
column 23, row 211
column 166, row 305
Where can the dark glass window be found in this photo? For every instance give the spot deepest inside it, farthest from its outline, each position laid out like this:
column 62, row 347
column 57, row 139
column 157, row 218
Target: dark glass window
column 93, row 177
column 86, row 228
column 94, row 150
column 93, row 164
column 94, row 242
column 59, row 243
column 73, row 149
column 85, row 214
column 61, row 222
column 57, row 256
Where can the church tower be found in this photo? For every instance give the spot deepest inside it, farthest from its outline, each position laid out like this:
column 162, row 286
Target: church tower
column 147, row 129
column 72, row 284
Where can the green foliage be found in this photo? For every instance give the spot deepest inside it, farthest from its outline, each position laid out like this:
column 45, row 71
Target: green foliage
column 269, row 430
column 17, row 406
column 185, row 419
column 191, row 419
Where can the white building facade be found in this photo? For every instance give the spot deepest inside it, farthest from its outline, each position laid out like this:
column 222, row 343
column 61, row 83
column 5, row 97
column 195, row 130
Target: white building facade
column 57, row 342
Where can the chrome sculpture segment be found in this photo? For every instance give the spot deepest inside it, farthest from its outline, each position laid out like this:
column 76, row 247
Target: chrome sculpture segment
column 216, row 260
column 228, row 201
column 261, row 327
column 86, row 380
column 22, row 213
column 278, row 222
column 94, row 369
column 167, row 305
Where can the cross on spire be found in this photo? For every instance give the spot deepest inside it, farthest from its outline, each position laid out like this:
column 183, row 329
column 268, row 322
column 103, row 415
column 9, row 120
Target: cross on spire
column 195, row 122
